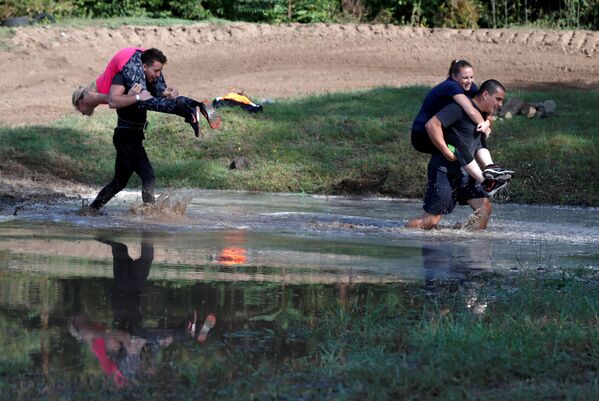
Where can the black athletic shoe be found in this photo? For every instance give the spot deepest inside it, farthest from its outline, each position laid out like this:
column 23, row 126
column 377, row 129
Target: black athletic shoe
column 494, row 172
column 491, row 186
column 207, row 109
column 194, row 120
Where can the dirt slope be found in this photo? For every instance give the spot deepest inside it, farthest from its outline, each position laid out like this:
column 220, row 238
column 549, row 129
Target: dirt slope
column 43, row 65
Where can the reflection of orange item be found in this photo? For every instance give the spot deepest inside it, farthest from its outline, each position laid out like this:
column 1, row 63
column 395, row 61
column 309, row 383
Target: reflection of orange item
column 232, row 256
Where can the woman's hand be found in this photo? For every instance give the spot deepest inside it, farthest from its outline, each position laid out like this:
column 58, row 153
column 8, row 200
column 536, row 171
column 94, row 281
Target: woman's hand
column 135, row 90
column 171, row 93
column 449, row 155
column 145, row 95
column 484, row 127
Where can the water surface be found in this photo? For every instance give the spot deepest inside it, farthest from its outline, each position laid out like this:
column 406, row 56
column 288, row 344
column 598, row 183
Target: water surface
column 124, row 296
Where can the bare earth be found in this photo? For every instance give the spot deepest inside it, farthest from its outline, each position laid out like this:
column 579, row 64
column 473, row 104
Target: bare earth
column 42, row 65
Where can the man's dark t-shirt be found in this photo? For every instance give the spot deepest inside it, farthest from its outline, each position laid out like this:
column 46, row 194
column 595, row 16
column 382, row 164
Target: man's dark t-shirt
column 131, row 114
column 458, row 128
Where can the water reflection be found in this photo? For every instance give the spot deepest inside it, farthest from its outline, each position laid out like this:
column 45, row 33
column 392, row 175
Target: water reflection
column 450, row 260
column 452, row 267
column 129, row 322
column 234, row 253
column 108, row 298
column 128, row 349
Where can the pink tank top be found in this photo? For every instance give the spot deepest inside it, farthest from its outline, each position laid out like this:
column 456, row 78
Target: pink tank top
column 115, row 65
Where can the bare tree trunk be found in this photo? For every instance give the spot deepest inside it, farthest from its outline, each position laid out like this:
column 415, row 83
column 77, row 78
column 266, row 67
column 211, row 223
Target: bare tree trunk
column 505, row 13
column 494, row 11
column 289, row 8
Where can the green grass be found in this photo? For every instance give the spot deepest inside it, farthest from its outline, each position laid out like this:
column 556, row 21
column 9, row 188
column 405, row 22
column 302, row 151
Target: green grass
column 537, row 339
column 556, row 154
column 117, row 22
column 529, row 336
column 353, row 142
column 5, row 35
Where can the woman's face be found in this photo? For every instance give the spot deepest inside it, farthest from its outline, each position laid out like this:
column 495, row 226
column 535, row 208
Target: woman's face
column 465, row 78
column 84, row 106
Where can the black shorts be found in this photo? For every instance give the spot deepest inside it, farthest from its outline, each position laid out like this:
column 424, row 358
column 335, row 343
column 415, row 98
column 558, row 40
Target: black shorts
column 444, row 191
column 422, row 142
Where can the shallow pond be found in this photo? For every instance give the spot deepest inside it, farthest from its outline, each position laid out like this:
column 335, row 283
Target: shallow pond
column 122, row 295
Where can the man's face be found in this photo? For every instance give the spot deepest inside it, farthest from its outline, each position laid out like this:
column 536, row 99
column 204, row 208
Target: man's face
column 492, row 102
column 465, row 78
column 153, row 71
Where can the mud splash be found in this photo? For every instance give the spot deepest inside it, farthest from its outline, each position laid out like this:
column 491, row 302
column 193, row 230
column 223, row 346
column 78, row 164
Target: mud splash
column 168, row 207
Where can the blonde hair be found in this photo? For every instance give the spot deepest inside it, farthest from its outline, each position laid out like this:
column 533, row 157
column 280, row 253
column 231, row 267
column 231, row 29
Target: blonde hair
column 78, row 94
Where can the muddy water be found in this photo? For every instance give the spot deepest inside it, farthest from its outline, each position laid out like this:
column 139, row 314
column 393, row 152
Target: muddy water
column 118, row 293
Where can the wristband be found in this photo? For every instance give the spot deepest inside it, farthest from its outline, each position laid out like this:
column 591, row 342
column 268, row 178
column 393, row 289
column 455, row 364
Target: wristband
column 137, row 98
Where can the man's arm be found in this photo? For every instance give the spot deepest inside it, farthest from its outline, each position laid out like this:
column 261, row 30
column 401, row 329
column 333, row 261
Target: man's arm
column 117, row 98
column 435, row 132
column 94, row 98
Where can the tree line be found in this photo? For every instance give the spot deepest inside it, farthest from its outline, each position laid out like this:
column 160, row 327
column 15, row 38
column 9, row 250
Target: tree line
column 569, row 14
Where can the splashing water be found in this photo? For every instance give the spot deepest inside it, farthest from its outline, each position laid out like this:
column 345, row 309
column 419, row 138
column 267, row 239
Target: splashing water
column 167, row 205
column 343, row 234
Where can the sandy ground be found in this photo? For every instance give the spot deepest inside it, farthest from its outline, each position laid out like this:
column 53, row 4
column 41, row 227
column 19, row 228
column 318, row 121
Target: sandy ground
column 42, row 65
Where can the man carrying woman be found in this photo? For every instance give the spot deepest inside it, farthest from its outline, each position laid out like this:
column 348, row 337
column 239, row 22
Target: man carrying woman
column 129, row 62
column 448, row 184
column 459, row 88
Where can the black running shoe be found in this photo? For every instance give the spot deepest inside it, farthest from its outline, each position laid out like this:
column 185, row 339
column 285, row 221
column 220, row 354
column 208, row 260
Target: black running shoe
column 194, row 120
column 494, row 172
column 491, row 186
column 210, row 113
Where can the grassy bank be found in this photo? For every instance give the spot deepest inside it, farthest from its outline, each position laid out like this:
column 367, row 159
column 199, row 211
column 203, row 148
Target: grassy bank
column 339, row 143
column 528, row 336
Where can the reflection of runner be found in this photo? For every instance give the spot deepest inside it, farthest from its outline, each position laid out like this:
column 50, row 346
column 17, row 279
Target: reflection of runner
column 119, row 350
column 208, row 325
column 451, row 260
column 129, row 278
column 106, row 345
column 132, row 63
column 448, row 265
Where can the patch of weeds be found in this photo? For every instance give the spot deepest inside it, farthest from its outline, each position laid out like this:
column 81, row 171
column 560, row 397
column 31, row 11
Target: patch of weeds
column 6, row 34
